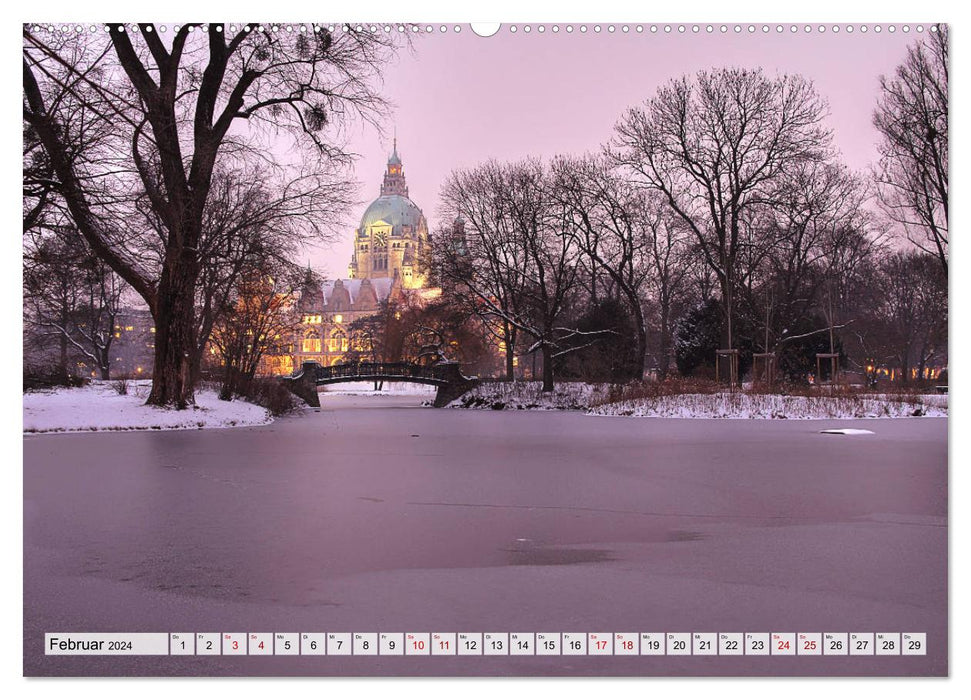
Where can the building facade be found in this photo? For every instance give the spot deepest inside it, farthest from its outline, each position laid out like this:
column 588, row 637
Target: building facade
column 388, row 261
column 392, row 240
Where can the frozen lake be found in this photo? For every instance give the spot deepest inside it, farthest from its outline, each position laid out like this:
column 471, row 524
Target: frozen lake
column 377, row 514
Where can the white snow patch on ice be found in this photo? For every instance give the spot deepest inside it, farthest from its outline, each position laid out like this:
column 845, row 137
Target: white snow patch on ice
column 847, row 431
column 98, row 407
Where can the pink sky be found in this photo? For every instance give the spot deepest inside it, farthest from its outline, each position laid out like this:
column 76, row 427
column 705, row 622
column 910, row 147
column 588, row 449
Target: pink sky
column 461, row 99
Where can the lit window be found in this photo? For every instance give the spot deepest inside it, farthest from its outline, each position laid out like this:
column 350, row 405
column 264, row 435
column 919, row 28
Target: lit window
column 338, row 341
column 311, row 341
column 338, row 318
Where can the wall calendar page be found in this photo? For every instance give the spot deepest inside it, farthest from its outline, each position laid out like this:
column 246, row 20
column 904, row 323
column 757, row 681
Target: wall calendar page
column 630, row 334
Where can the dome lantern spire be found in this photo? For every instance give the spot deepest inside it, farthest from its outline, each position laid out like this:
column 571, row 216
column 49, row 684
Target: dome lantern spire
column 394, row 178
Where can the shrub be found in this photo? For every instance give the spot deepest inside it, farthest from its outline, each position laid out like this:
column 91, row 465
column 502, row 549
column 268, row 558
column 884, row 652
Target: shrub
column 670, row 386
column 699, row 333
column 120, row 386
column 272, row 395
column 609, row 356
column 48, row 378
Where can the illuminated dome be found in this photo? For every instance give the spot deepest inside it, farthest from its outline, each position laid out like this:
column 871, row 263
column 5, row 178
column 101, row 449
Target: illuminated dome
column 395, row 210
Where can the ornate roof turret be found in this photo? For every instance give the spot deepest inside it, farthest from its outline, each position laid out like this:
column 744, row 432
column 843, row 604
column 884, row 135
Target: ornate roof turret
column 460, row 244
column 339, row 298
column 311, row 297
column 394, row 178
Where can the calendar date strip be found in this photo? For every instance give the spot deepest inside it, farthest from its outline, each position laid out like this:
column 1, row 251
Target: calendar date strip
column 487, row 644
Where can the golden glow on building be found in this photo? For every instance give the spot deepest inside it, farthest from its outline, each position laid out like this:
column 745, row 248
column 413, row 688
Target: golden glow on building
column 392, row 238
column 388, row 262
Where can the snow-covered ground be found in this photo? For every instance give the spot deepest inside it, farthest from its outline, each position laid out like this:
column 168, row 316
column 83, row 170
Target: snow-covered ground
column 99, row 407
column 573, row 396
column 595, row 400
column 367, row 389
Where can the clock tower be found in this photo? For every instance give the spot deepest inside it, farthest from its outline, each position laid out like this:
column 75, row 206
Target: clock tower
column 394, row 178
column 392, row 239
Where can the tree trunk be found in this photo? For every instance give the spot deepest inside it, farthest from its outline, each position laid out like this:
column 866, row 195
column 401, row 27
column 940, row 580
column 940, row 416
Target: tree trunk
column 547, row 368
column 627, row 291
column 664, row 351
column 228, row 388
column 641, row 339
column 195, row 365
column 728, row 331
column 174, row 337
column 105, row 352
column 62, row 338
column 62, row 356
column 509, row 336
column 905, row 365
column 922, row 361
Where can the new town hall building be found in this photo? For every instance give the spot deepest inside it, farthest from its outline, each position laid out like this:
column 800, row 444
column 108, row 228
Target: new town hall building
column 390, row 249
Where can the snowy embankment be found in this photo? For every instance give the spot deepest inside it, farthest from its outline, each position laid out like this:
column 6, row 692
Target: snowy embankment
column 595, row 399
column 99, row 407
column 775, row 406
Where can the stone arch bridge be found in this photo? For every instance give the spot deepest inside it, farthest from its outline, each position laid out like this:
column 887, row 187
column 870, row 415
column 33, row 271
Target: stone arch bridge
column 446, row 376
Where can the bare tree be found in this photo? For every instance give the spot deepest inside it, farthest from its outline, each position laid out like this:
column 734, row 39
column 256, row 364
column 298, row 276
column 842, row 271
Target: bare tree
column 379, row 337
column 71, row 299
column 822, row 233
column 259, row 313
column 714, row 146
column 612, row 223
column 476, row 258
column 912, row 118
column 517, row 262
column 254, row 222
column 913, row 310
column 671, row 262
column 178, row 106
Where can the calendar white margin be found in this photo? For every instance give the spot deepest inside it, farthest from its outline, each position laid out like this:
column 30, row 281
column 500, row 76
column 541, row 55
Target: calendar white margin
column 11, row 648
